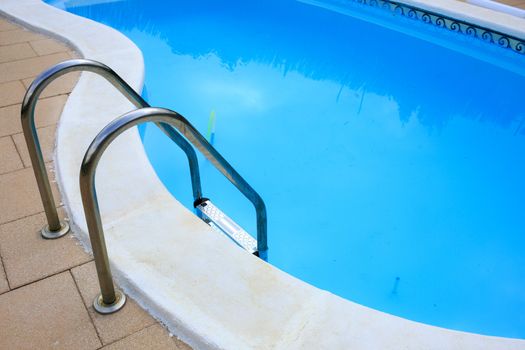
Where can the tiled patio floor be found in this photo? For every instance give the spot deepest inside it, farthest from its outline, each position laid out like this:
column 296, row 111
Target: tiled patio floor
column 46, row 287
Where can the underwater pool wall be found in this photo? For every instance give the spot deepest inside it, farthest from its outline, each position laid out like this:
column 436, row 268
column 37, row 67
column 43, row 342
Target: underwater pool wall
column 206, row 290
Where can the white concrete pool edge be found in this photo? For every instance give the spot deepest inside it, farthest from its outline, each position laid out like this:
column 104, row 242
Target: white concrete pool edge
column 484, row 17
column 210, row 293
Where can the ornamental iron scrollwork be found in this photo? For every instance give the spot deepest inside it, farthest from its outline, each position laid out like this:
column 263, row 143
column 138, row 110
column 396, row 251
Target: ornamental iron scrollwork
column 447, row 23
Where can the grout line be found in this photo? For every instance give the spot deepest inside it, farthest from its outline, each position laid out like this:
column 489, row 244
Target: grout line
column 85, row 263
column 17, row 151
column 40, row 99
column 43, row 278
column 12, row 104
column 29, row 215
column 10, row 137
column 92, row 319
column 157, row 323
column 33, row 49
column 129, row 299
column 24, row 61
column 23, row 41
column 24, row 86
column 23, row 168
column 54, row 125
column 62, row 50
column 32, row 58
column 29, row 84
column 129, row 335
column 11, row 30
column 21, row 218
column 14, row 171
column 5, row 274
column 17, row 79
column 84, row 304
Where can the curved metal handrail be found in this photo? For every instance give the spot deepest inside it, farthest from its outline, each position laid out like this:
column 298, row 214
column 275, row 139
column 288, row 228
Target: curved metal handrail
column 109, row 300
column 55, row 227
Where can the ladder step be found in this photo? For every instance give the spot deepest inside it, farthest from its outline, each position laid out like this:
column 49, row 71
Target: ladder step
column 217, row 219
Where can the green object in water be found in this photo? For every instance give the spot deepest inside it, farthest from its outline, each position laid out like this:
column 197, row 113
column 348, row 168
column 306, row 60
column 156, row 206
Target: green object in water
column 211, row 127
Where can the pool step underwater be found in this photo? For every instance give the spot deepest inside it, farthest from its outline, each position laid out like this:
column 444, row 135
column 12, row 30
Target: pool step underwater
column 217, row 219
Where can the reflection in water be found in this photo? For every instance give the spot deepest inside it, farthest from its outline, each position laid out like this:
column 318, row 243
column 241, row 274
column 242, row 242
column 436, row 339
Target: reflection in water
column 434, row 83
column 392, row 167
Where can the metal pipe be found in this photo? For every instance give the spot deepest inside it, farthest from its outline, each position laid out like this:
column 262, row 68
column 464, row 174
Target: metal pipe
column 55, row 227
column 108, row 297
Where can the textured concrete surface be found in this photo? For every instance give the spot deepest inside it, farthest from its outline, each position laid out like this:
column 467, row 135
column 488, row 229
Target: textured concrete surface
column 4, row 286
column 28, row 258
column 153, row 338
column 9, row 158
column 46, row 314
column 47, row 286
column 115, row 326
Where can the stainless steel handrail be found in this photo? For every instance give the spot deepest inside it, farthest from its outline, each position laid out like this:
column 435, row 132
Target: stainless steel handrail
column 55, row 228
column 109, row 299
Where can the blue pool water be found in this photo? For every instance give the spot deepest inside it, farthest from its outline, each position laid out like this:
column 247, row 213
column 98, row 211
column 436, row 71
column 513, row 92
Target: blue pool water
column 390, row 153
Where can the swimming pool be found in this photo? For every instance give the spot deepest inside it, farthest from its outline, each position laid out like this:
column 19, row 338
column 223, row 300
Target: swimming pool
column 391, row 165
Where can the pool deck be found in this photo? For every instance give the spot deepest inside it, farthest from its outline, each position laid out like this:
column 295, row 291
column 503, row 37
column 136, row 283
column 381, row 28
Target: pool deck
column 515, row 3
column 46, row 287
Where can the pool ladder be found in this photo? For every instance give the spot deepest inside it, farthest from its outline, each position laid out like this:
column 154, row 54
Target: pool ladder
column 177, row 128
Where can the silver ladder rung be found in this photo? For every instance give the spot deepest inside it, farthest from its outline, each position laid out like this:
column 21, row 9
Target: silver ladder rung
column 217, row 219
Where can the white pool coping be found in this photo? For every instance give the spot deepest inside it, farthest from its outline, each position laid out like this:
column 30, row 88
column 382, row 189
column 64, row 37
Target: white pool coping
column 207, row 291
column 498, row 6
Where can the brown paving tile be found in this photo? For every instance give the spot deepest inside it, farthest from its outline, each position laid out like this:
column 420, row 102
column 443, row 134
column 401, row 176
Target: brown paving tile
column 47, row 113
column 62, row 85
column 10, row 120
column 20, row 197
column 46, row 315
column 28, row 257
column 46, row 136
column 18, row 36
column 16, row 52
column 6, row 25
column 4, row 286
column 9, row 158
column 29, row 67
column 11, row 93
column 130, row 319
column 48, row 46
column 48, row 110
column 152, row 338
